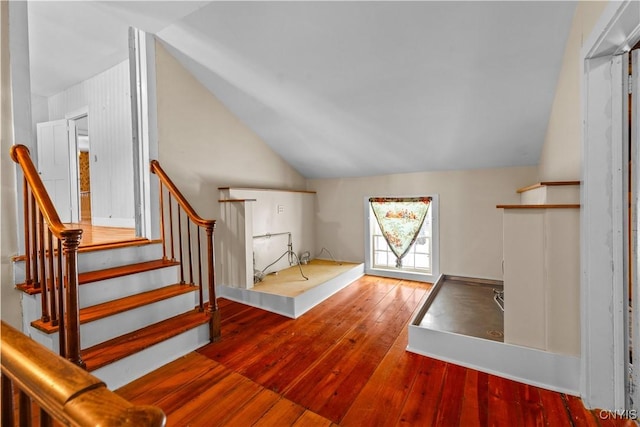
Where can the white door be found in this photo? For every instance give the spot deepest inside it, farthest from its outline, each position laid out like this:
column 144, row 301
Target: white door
column 56, row 165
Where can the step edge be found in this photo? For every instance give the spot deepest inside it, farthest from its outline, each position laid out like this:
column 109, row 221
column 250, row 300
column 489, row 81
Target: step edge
column 140, row 241
column 135, row 349
column 30, row 290
column 88, row 319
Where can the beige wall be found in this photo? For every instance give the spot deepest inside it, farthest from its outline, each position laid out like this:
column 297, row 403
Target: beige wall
column 562, row 151
column 202, row 146
column 10, row 298
column 470, row 224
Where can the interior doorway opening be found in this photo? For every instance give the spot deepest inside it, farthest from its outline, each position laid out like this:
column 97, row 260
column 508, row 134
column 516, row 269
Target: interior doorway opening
column 83, row 143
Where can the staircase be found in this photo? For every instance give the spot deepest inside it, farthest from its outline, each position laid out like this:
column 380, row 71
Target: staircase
column 135, row 315
column 118, row 310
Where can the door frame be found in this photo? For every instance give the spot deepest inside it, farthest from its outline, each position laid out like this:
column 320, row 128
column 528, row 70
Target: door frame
column 142, row 75
column 604, row 376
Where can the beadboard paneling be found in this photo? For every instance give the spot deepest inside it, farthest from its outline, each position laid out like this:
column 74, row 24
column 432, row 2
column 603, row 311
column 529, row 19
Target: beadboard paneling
column 107, row 98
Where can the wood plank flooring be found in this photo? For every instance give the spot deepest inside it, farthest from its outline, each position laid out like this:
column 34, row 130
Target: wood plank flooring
column 96, row 235
column 342, row 363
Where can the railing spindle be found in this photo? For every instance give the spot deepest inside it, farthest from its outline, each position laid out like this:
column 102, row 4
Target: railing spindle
column 173, row 254
column 51, row 280
column 200, row 296
column 164, row 247
column 7, row 401
column 214, row 314
column 43, row 273
column 60, row 288
column 45, row 419
column 27, row 235
column 180, row 247
column 189, row 251
column 24, row 410
column 34, row 242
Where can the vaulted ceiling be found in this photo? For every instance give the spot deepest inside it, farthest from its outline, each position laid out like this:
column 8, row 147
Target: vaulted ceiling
column 342, row 89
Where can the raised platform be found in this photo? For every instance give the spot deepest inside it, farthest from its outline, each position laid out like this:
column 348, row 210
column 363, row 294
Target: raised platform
column 289, row 294
column 453, row 332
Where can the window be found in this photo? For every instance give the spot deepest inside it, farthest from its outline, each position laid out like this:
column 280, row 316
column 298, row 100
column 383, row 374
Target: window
column 421, row 259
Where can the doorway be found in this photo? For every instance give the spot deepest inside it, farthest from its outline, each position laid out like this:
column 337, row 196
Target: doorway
column 84, row 168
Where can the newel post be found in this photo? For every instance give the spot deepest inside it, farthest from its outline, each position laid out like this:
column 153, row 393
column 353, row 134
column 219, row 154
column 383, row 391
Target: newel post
column 214, row 314
column 70, row 243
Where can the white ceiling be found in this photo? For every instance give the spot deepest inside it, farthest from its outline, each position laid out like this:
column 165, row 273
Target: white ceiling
column 342, row 89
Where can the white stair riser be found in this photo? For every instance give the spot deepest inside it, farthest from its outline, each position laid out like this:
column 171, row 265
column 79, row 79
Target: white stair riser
column 31, row 310
column 101, row 330
column 100, row 260
column 555, row 194
column 123, row 371
column 50, row 341
column 123, row 286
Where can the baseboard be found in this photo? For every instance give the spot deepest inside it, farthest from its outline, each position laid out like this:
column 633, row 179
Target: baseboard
column 114, row 222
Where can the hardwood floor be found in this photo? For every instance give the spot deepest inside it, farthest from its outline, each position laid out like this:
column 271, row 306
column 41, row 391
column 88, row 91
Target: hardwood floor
column 342, row 363
column 95, row 235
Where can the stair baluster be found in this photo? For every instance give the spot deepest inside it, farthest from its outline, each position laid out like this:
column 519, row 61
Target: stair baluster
column 175, row 233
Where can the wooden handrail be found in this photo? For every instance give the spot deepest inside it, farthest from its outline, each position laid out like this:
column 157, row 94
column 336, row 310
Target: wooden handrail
column 63, row 390
column 44, row 258
column 169, row 233
column 20, row 154
column 197, row 219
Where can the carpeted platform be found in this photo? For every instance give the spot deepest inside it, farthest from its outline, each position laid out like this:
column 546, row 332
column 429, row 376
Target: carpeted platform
column 289, row 282
column 289, row 294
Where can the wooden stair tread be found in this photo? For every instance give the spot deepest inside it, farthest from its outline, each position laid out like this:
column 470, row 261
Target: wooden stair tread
column 548, row 206
column 109, row 273
column 547, row 184
column 118, row 348
column 109, row 308
column 137, row 241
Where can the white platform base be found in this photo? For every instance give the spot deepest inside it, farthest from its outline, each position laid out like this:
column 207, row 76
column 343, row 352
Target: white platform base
column 292, row 307
column 527, row 365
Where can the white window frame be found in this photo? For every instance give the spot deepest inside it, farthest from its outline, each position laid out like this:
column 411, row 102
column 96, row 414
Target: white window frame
column 400, row 274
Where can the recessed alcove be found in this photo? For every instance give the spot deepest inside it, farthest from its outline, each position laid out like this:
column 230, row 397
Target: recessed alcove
column 268, row 252
column 540, row 340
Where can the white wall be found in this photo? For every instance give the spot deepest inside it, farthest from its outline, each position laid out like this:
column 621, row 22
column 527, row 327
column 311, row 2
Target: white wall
column 39, row 110
column 470, row 224
column 561, row 157
column 276, row 212
column 107, row 97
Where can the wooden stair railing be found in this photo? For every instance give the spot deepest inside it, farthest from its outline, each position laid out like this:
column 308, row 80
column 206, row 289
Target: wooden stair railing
column 51, row 258
column 61, row 390
column 172, row 232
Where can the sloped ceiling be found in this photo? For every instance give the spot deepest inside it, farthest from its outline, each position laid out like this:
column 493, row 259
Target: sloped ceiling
column 343, row 89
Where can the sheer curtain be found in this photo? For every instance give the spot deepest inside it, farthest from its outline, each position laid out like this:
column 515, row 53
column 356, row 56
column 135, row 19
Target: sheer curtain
column 400, row 220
